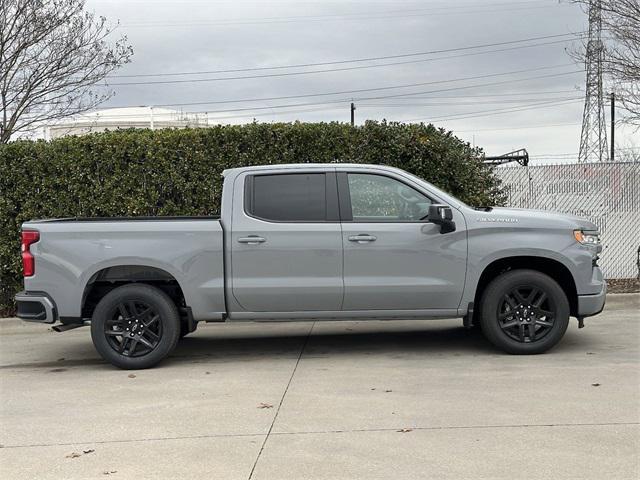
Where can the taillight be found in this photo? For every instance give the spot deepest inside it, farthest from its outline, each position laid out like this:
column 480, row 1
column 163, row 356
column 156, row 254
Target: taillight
column 28, row 262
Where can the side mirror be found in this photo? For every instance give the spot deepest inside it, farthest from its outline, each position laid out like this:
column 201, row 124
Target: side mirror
column 442, row 215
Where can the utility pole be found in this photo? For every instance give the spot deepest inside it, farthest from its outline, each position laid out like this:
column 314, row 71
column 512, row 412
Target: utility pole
column 613, row 126
column 593, row 140
column 353, row 114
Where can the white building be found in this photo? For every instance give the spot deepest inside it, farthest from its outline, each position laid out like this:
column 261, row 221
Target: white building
column 122, row 118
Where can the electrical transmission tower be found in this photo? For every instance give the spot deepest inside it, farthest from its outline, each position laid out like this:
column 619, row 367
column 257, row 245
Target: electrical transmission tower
column 593, row 141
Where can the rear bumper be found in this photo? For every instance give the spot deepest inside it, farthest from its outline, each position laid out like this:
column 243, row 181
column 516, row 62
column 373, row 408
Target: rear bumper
column 589, row 305
column 36, row 307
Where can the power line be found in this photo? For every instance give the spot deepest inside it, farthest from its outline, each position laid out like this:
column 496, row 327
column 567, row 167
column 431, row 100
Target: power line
column 354, row 60
column 305, row 104
column 376, row 89
column 332, row 106
column 289, row 74
column 523, row 127
column 503, row 82
column 576, row 154
column 160, row 116
column 367, row 2
column 335, row 102
column 342, row 17
column 312, row 104
column 453, row 104
column 491, row 95
column 471, row 114
column 484, row 113
column 362, row 98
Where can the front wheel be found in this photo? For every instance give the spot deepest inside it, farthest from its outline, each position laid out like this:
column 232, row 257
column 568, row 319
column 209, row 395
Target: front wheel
column 524, row 312
column 135, row 326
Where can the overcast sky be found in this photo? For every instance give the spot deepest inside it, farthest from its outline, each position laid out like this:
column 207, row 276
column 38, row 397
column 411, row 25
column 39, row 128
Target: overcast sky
column 537, row 106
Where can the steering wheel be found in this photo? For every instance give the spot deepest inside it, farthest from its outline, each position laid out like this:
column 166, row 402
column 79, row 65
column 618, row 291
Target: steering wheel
column 407, row 197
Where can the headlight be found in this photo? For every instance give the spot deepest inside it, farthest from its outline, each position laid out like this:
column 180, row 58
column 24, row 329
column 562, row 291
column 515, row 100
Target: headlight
column 586, row 238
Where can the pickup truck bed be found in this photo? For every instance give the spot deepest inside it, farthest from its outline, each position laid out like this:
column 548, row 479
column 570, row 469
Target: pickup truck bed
column 87, row 252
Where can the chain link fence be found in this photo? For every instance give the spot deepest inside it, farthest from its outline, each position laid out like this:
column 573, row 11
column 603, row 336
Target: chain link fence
column 608, row 194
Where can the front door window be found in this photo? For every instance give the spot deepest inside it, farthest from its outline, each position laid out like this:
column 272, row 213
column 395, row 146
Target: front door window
column 376, row 198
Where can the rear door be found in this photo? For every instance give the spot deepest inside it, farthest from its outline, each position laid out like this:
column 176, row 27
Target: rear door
column 393, row 258
column 286, row 252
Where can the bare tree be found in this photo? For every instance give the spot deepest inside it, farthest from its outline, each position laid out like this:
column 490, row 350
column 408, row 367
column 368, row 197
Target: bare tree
column 621, row 20
column 629, row 153
column 621, row 37
column 53, row 54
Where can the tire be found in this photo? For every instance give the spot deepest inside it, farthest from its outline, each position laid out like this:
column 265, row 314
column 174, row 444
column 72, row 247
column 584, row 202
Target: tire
column 135, row 326
column 524, row 312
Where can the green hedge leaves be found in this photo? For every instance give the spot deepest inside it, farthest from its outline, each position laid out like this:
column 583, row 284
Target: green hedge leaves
column 178, row 172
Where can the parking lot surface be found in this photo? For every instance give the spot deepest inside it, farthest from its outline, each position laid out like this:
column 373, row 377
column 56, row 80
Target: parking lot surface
column 328, row 400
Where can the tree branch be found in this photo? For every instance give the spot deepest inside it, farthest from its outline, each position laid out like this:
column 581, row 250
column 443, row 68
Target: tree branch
column 53, row 55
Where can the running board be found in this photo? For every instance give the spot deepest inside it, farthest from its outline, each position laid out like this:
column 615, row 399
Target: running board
column 68, row 326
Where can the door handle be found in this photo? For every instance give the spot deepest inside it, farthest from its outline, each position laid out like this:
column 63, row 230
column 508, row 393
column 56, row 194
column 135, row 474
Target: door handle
column 252, row 240
column 362, row 238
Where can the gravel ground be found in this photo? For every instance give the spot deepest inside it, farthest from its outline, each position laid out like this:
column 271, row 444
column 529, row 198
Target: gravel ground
column 623, row 285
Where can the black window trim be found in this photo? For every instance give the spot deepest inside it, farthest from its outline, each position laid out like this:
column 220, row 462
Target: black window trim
column 332, row 214
column 344, row 197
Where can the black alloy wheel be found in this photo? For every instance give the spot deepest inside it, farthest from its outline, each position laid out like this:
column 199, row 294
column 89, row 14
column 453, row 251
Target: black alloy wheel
column 524, row 312
column 134, row 328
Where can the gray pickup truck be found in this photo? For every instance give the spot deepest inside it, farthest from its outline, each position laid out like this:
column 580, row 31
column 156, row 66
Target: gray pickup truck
column 313, row 242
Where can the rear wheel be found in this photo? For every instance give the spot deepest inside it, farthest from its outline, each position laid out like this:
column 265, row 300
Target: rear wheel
column 135, row 326
column 524, row 312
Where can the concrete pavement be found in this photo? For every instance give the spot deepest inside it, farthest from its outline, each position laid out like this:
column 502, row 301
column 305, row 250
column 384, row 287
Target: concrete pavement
column 336, row 400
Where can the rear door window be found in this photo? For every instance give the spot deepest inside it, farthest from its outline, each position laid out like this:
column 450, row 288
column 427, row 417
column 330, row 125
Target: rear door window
column 287, row 197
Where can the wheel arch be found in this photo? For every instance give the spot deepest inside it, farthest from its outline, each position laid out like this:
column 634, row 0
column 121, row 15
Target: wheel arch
column 551, row 267
column 110, row 277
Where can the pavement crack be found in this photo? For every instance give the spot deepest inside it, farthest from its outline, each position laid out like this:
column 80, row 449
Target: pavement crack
column 134, row 440
column 323, row 432
column 459, row 427
column 284, row 394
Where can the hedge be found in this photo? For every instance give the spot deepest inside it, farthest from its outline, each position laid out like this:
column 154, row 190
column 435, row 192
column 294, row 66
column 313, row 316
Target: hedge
column 177, row 172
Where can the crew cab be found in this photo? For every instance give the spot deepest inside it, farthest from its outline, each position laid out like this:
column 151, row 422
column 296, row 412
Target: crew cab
column 312, row 242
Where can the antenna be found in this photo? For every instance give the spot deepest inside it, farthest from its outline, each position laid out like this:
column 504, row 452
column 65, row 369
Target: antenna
column 593, row 140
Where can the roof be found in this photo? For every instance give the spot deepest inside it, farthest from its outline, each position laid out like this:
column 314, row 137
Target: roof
column 285, row 166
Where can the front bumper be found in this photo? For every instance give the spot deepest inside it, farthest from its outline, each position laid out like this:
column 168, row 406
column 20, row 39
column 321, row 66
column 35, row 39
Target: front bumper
column 589, row 305
column 36, row 307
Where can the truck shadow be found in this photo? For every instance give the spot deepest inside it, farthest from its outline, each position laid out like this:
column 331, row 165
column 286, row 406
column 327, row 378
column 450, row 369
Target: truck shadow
column 424, row 340
column 221, row 344
column 450, row 341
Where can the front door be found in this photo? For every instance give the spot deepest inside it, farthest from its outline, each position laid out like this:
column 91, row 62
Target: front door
column 393, row 258
column 286, row 243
